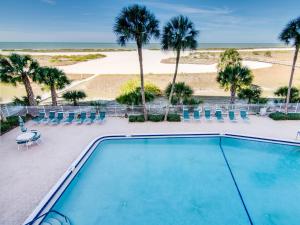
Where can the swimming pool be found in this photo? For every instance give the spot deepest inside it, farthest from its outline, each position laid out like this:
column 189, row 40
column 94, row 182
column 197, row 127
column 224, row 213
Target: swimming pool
column 183, row 180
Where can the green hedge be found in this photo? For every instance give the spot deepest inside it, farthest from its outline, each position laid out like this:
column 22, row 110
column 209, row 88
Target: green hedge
column 155, row 118
column 283, row 116
column 12, row 122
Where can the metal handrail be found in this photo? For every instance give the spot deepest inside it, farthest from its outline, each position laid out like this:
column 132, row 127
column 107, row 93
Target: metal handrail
column 45, row 214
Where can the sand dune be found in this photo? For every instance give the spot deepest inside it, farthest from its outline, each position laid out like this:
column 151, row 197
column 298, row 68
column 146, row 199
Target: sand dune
column 127, row 63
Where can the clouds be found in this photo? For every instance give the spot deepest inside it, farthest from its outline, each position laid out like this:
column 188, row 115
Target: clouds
column 50, row 2
column 184, row 9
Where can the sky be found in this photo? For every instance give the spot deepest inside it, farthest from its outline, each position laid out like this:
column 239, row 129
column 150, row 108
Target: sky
column 219, row 21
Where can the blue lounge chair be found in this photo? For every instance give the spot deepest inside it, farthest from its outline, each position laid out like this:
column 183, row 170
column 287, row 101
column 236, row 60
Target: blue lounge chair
column 196, row 114
column 58, row 119
column 70, row 118
column 92, row 117
column 232, row 117
column 22, row 125
column 207, row 114
column 186, row 115
column 51, row 116
column 244, row 115
column 219, row 115
column 82, row 118
column 40, row 118
column 102, row 116
column 36, row 137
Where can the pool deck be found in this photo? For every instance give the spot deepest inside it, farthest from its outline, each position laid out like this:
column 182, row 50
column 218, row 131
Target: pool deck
column 26, row 176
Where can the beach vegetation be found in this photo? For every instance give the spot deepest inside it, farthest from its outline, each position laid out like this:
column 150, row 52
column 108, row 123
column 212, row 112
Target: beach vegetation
column 230, row 57
column 74, row 96
column 268, row 54
column 178, row 35
column 283, row 92
column 137, row 23
column 74, row 58
column 17, row 69
column 133, row 84
column 290, row 35
column 234, row 78
column 52, row 78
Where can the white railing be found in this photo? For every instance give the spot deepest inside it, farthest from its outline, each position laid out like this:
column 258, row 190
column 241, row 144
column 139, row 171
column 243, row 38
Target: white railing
column 122, row 110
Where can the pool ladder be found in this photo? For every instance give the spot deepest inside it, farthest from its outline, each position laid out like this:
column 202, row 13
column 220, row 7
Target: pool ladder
column 51, row 217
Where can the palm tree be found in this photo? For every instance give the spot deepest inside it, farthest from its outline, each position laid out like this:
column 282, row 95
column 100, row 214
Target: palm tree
column 291, row 35
column 180, row 92
column 230, row 57
column 251, row 93
column 54, row 79
column 234, row 78
column 137, row 23
column 74, row 96
column 294, row 94
column 178, row 35
column 16, row 69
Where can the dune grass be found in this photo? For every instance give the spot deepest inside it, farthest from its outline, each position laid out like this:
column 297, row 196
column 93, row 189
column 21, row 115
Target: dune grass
column 75, row 58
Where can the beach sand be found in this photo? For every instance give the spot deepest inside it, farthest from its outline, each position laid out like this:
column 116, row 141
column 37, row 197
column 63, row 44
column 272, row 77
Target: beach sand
column 111, row 72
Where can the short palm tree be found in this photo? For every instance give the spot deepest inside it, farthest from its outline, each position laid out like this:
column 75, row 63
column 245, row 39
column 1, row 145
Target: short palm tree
column 230, row 57
column 251, row 93
column 178, row 35
column 234, row 78
column 291, row 35
column 294, row 94
column 74, row 96
column 16, row 69
column 137, row 23
column 52, row 78
column 180, row 92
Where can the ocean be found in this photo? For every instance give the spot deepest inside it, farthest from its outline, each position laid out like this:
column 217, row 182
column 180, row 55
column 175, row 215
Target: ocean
column 94, row 45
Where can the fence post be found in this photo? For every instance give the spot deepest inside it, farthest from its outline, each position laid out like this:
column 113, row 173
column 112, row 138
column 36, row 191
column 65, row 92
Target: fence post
column 296, row 110
column 26, row 109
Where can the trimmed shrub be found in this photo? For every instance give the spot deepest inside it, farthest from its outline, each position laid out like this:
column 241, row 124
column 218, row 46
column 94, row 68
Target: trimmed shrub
column 12, row 122
column 136, row 118
column 174, row 117
column 155, row 117
column 283, row 116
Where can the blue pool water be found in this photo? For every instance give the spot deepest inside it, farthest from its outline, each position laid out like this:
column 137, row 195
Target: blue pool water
column 184, row 181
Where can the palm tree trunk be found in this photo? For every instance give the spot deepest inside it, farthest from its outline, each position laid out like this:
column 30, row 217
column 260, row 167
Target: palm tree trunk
column 291, row 79
column 173, row 84
column 232, row 94
column 29, row 90
column 142, row 81
column 53, row 95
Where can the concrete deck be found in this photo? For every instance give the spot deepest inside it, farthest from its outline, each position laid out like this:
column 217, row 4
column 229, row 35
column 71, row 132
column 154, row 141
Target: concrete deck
column 27, row 175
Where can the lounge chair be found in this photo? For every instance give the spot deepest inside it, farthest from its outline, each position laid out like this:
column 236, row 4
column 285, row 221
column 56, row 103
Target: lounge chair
column 58, row 119
column 36, row 137
column 91, row 118
column 22, row 125
column 51, row 117
column 244, row 115
column 232, row 117
column 207, row 114
column 186, row 115
column 102, row 116
column 70, row 118
column 197, row 114
column 82, row 118
column 40, row 118
column 219, row 115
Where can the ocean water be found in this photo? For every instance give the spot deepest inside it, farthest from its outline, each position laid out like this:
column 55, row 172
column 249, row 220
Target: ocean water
column 90, row 45
column 183, row 181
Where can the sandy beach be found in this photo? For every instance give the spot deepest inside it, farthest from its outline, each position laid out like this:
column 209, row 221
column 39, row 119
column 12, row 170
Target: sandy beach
column 102, row 78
